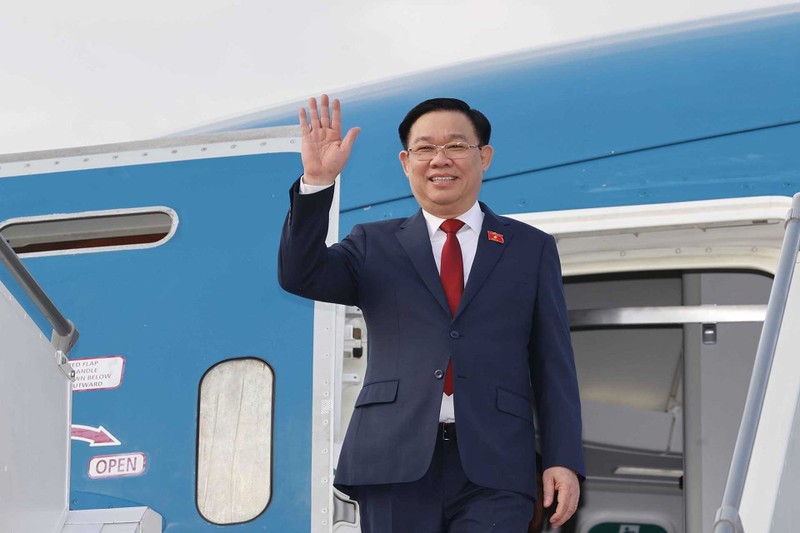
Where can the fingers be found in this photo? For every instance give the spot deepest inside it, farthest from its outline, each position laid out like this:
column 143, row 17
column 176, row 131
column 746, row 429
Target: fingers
column 350, row 138
column 562, row 513
column 319, row 116
column 314, row 118
column 549, row 488
column 336, row 119
column 324, row 112
column 565, row 482
column 303, row 120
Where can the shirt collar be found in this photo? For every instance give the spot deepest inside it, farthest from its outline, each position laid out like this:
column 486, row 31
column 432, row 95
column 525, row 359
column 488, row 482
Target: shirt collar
column 473, row 219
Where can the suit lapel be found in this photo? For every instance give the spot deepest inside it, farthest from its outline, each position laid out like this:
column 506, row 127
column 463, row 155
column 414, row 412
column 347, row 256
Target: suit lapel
column 414, row 238
column 486, row 256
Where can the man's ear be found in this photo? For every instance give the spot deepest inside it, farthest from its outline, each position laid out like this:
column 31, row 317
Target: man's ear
column 405, row 162
column 487, row 152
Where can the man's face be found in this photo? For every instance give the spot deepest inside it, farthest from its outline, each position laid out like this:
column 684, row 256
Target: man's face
column 442, row 186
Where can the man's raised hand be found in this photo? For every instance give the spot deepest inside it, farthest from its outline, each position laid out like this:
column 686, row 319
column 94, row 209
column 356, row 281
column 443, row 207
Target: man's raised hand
column 324, row 152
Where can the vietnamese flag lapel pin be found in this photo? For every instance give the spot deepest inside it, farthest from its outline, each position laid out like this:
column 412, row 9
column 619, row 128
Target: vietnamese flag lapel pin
column 495, row 237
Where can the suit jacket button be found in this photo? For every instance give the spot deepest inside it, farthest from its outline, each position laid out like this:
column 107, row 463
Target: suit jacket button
column 454, row 334
column 438, row 374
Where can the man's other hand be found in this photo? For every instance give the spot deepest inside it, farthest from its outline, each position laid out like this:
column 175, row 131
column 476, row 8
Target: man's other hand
column 323, row 151
column 563, row 481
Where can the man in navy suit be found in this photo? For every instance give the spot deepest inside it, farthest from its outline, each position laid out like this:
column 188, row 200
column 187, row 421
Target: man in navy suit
column 468, row 332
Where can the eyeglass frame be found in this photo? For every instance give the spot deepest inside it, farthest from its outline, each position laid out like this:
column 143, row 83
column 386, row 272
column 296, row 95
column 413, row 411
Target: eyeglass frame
column 443, row 149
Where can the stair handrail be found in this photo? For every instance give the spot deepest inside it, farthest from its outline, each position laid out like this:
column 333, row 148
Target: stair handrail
column 728, row 519
column 64, row 333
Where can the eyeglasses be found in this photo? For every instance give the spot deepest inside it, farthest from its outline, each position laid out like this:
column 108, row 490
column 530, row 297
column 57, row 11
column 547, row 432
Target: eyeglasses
column 456, row 150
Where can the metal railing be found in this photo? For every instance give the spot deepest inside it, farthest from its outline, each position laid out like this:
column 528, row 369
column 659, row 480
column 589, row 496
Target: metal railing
column 666, row 315
column 728, row 519
column 64, row 333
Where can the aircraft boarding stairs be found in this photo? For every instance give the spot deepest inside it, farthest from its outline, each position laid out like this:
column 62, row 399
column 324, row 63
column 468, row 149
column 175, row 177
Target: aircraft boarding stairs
column 35, row 417
column 763, row 484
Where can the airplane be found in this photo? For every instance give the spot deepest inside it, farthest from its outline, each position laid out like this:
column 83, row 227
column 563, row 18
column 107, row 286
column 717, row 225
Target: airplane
column 201, row 397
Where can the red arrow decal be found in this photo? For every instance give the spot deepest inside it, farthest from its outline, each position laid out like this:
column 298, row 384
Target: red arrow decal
column 98, row 436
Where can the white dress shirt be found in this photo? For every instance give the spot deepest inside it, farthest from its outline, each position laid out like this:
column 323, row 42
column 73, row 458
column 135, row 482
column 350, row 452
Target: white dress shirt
column 467, row 239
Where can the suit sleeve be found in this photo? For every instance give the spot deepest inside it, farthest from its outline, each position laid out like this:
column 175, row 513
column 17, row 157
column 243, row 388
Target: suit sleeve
column 553, row 372
column 306, row 266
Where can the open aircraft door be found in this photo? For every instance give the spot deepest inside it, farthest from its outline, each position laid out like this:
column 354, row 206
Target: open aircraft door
column 202, row 389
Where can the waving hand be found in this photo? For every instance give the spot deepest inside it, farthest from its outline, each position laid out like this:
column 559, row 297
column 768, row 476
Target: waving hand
column 324, row 152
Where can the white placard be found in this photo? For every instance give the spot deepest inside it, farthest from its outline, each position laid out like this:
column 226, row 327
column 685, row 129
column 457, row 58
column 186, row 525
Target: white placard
column 120, row 465
column 97, row 373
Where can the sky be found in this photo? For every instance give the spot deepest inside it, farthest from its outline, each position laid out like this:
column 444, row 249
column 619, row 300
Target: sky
column 90, row 72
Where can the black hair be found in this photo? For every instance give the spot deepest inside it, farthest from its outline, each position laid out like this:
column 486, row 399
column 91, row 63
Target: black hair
column 479, row 121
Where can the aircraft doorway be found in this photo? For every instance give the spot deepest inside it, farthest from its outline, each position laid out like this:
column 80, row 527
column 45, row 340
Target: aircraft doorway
column 664, row 360
column 666, row 304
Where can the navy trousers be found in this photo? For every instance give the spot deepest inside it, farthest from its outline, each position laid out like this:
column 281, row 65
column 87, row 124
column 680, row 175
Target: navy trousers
column 443, row 501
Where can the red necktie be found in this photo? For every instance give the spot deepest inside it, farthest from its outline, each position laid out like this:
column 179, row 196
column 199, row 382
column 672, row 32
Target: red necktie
column 452, row 276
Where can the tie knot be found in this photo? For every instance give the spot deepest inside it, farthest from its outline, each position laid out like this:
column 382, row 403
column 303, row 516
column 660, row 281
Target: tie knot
column 451, row 226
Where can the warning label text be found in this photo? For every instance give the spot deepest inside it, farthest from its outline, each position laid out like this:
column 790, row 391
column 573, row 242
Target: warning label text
column 97, row 373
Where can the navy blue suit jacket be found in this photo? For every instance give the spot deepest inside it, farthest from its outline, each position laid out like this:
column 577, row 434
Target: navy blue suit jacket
column 509, row 342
